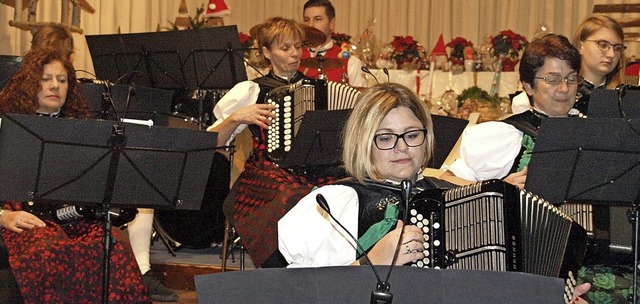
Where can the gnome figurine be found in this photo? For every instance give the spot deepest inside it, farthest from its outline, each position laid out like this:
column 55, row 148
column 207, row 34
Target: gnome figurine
column 216, row 10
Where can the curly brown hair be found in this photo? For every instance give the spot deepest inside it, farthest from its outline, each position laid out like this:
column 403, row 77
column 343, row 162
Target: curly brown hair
column 20, row 96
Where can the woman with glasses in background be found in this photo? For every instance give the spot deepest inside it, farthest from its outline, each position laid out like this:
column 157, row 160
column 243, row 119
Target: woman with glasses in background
column 599, row 39
column 502, row 149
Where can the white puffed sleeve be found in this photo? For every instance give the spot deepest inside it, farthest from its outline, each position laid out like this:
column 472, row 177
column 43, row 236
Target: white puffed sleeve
column 308, row 237
column 241, row 95
column 487, row 151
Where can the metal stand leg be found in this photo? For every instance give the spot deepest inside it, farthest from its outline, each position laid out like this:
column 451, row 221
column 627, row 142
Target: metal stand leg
column 230, row 242
column 161, row 234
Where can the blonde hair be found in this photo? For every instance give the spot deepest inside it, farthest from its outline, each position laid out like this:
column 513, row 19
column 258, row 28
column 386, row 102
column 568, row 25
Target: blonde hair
column 588, row 27
column 371, row 108
column 276, row 30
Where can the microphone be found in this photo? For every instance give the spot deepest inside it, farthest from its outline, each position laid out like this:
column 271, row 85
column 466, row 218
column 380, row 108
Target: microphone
column 405, row 185
column 386, row 72
column 366, row 70
column 381, row 294
column 622, row 91
column 69, row 213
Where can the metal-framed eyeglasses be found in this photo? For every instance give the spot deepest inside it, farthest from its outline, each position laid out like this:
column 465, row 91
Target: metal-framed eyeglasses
column 388, row 141
column 604, row 46
column 557, row 79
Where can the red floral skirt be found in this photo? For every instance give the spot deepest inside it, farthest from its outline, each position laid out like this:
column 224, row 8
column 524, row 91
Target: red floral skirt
column 64, row 265
column 262, row 195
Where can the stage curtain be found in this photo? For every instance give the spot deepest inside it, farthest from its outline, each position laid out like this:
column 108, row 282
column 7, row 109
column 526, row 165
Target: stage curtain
column 423, row 19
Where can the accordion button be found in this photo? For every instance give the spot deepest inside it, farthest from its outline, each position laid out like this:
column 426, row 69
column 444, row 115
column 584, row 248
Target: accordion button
column 426, row 238
column 413, row 212
column 288, row 131
column 287, row 139
column 287, row 126
column 287, row 98
column 425, row 221
column 419, row 217
column 287, row 114
column 287, row 104
column 413, row 220
column 425, row 229
column 436, row 243
column 287, row 143
column 436, row 225
column 287, row 149
column 287, row 120
column 419, row 224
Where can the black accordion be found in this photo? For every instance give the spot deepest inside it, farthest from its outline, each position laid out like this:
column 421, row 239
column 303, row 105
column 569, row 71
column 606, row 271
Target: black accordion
column 493, row 225
column 293, row 100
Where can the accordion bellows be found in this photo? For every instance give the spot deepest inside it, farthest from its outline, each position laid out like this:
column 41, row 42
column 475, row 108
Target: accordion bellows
column 492, row 225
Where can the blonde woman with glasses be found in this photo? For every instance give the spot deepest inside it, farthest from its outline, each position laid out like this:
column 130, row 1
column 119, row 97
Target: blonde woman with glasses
column 600, row 41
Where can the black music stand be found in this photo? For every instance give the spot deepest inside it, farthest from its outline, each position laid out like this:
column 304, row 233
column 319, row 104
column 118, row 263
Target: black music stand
column 318, row 141
column 351, row 284
column 9, row 65
column 446, row 131
column 145, row 104
column 594, row 160
column 97, row 163
column 194, row 60
column 605, row 103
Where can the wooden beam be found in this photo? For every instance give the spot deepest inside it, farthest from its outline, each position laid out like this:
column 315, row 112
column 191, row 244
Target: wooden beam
column 616, row 8
column 26, row 26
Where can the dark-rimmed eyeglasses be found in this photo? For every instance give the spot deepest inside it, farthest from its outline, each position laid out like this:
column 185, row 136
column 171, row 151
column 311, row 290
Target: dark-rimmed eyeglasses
column 388, row 141
column 557, row 79
column 604, row 46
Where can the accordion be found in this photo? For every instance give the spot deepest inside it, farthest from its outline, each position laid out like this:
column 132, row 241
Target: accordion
column 293, row 100
column 492, row 225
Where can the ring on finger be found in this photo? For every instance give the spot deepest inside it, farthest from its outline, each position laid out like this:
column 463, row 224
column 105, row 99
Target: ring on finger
column 407, row 249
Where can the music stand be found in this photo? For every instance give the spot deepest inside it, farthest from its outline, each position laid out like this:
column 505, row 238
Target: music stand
column 97, row 163
column 195, row 60
column 145, row 104
column 604, row 103
column 446, row 131
column 594, row 161
column 318, row 142
column 9, row 65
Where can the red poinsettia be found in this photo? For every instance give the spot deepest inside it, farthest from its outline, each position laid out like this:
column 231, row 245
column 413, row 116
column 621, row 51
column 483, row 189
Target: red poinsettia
column 508, row 43
column 245, row 39
column 405, row 49
column 457, row 46
column 339, row 38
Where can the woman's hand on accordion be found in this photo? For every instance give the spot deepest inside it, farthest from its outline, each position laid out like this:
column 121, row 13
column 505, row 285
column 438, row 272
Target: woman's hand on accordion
column 517, row 178
column 411, row 247
column 256, row 114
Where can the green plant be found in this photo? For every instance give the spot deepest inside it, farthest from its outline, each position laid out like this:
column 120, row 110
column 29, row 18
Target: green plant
column 477, row 93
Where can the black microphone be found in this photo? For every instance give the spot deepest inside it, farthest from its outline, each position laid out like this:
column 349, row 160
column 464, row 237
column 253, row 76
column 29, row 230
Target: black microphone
column 366, row 70
column 69, row 213
column 622, row 91
column 379, row 296
column 405, row 185
column 130, row 92
column 386, row 72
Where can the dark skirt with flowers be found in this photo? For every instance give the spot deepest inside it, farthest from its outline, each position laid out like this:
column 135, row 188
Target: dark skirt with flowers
column 64, row 265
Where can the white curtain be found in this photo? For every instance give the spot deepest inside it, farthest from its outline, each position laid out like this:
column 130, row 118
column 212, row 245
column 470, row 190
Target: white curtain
column 423, row 19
